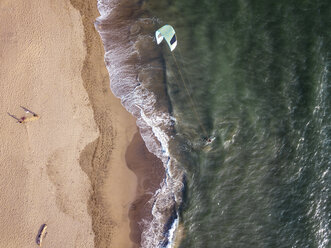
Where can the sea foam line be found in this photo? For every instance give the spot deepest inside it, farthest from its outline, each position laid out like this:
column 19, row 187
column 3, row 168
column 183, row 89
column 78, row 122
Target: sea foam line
column 125, row 58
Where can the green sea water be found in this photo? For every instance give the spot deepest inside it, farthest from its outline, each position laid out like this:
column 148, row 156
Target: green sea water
column 257, row 78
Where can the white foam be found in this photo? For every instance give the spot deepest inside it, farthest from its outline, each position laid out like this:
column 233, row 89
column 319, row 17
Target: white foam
column 154, row 124
column 172, row 233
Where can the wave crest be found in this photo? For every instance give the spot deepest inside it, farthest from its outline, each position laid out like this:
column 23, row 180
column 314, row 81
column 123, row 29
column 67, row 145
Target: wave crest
column 137, row 77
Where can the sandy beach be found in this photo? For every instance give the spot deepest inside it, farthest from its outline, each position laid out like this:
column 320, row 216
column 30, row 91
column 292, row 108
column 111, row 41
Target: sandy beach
column 67, row 169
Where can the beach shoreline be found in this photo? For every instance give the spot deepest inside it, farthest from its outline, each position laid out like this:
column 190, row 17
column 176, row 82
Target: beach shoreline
column 138, row 77
column 127, row 189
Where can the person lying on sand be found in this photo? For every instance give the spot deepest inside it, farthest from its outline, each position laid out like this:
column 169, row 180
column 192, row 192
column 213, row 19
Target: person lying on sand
column 24, row 119
column 28, row 119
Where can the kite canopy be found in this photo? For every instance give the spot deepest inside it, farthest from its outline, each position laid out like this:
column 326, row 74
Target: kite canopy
column 168, row 33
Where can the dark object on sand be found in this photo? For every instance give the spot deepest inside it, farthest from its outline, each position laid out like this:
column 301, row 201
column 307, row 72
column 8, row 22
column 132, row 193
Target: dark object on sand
column 41, row 234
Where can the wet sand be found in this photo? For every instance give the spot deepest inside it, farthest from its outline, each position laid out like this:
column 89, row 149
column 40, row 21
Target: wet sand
column 150, row 173
column 113, row 184
column 119, row 201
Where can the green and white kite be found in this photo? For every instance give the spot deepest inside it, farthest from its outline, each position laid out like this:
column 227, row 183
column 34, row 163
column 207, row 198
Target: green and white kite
column 168, row 33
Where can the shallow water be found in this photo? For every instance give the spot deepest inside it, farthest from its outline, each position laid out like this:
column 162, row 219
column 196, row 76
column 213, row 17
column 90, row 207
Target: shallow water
column 256, row 76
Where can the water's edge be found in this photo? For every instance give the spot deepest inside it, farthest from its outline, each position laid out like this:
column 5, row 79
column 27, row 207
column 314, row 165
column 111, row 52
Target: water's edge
column 137, row 76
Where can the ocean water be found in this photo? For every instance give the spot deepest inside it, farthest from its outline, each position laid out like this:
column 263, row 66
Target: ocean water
column 254, row 76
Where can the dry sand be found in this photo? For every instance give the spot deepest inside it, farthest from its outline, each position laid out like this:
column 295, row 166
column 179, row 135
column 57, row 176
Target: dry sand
column 68, row 168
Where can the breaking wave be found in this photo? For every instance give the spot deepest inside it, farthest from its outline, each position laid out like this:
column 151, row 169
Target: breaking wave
column 137, row 77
